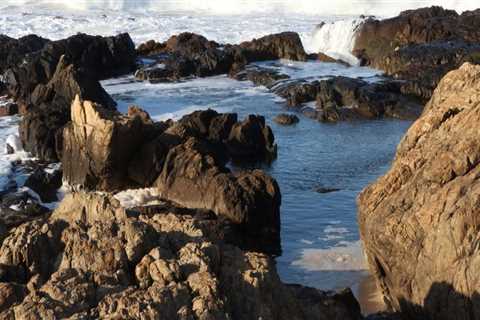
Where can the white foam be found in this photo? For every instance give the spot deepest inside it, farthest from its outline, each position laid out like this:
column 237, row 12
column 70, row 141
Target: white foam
column 336, row 39
column 346, row 256
column 13, row 141
column 308, row 7
column 138, row 197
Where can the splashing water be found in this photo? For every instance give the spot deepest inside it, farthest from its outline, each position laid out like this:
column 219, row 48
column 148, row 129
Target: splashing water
column 309, row 7
column 336, row 39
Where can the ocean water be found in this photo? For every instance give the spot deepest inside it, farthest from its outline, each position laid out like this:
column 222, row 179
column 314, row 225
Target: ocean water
column 320, row 238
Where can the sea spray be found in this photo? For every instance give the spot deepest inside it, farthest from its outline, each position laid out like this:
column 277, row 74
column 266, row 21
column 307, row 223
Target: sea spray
column 241, row 7
column 336, row 39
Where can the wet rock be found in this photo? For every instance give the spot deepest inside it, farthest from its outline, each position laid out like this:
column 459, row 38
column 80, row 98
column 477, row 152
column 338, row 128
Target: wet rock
column 9, row 109
column 325, row 190
column 322, row 57
column 286, row 119
column 252, row 140
column 93, row 259
column 9, row 149
column 260, row 76
column 99, row 144
column 12, row 51
column 151, row 48
column 431, row 61
column 419, row 221
column 342, row 98
column 297, row 92
column 45, row 184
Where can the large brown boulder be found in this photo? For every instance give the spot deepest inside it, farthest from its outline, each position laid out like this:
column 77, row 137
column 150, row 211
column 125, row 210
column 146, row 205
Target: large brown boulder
column 285, row 45
column 98, row 145
column 419, row 223
column 193, row 177
column 93, row 259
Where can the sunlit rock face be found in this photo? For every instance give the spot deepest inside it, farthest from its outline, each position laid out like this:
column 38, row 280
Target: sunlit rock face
column 419, row 222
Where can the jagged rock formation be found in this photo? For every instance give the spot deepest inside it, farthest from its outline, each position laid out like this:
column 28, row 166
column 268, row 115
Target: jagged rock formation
column 93, row 259
column 105, row 150
column 420, row 45
column 342, row 98
column 419, row 223
column 41, row 128
column 44, row 76
column 189, row 54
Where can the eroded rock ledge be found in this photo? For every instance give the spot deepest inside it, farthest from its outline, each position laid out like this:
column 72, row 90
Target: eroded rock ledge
column 419, row 222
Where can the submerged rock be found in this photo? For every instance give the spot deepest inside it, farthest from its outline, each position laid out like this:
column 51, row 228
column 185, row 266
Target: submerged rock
column 93, row 259
column 419, row 222
column 286, row 119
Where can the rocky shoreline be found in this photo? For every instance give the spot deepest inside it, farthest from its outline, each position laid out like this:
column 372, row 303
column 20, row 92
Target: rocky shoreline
column 202, row 244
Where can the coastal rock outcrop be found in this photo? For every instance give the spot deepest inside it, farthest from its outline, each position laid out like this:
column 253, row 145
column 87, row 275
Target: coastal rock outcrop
column 106, row 150
column 193, row 177
column 342, row 98
column 92, row 259
column 419, row 222
column 420, row 45
column 13, row 51
column 41, row 128
column 98, row 57
column 98, row 145
column 189, row 54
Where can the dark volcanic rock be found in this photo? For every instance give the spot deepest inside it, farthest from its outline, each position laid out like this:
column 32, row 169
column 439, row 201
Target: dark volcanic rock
column 41, row 128
column 13, row 51
column 377, row 39
column 419, row 223
column 259, row 76
column 431, row 61
column 345, row 99
column 342, row 98
column 286, row 119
